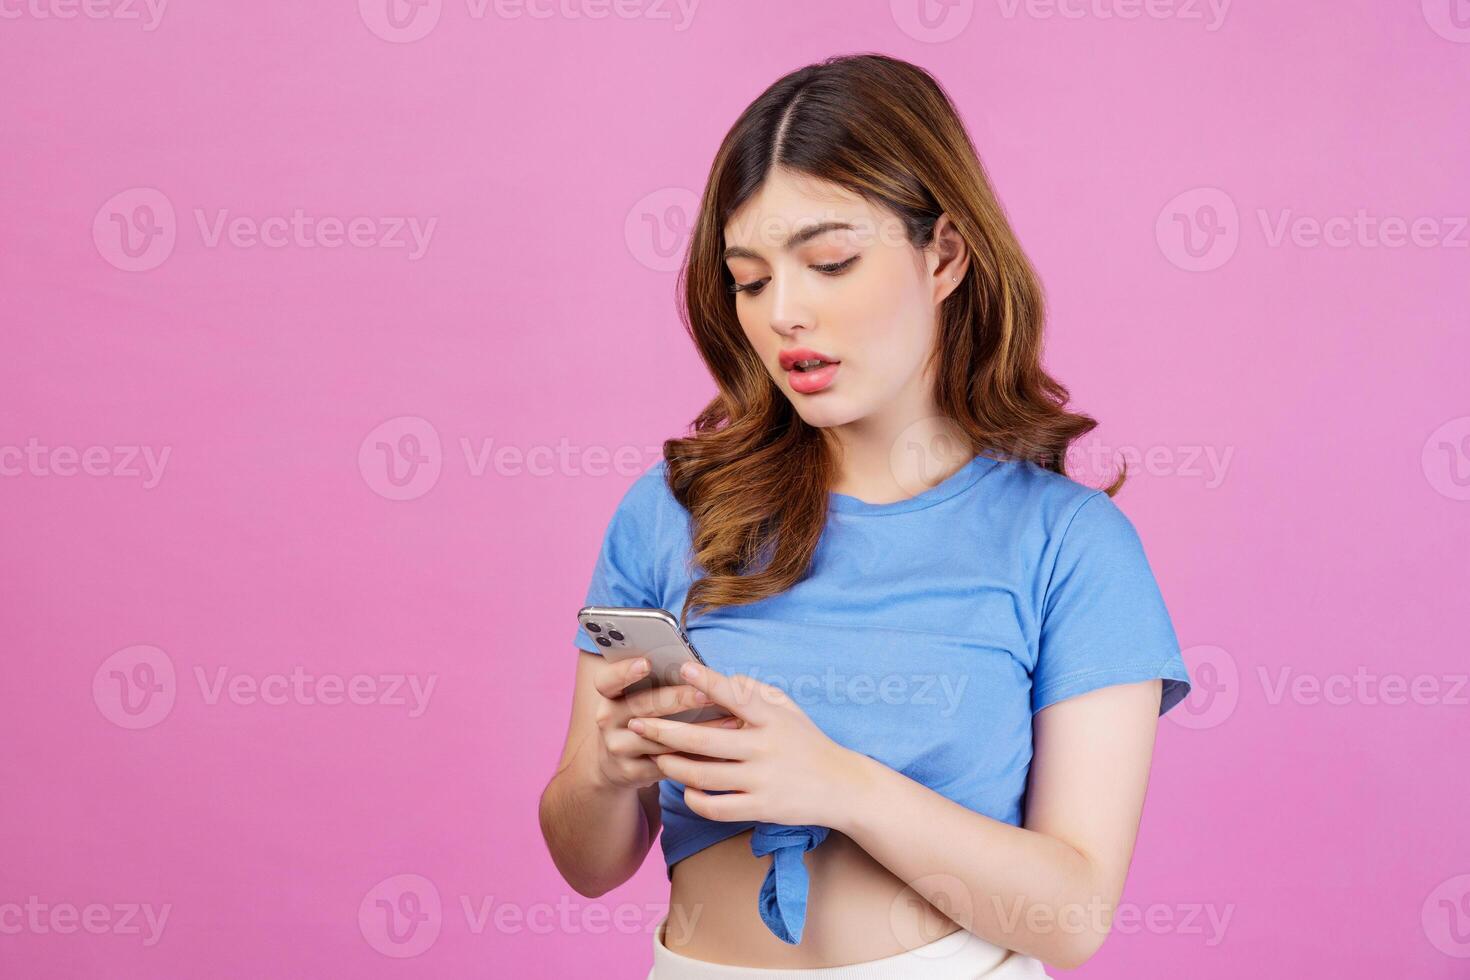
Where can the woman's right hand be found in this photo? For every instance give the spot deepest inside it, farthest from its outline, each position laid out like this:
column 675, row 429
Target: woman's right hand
column 623, row 754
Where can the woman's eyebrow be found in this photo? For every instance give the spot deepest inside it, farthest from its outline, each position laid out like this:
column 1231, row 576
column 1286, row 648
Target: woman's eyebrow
column 806, row 234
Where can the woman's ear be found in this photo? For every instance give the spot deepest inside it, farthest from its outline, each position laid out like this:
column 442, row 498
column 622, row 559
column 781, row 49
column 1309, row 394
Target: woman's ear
column 949, row 258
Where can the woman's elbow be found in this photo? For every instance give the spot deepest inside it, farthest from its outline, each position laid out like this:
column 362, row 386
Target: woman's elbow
column 1080, row 947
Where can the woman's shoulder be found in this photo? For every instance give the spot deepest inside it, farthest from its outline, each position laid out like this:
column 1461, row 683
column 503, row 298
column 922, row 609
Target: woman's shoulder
column 649, row 504
column 648, row 491
column 1051, row 498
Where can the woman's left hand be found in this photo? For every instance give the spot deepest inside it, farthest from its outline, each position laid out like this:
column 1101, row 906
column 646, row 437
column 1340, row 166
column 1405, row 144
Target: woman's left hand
column 782, row 767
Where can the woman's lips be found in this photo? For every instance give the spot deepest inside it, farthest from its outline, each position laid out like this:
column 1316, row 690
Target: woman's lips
column 811, row 382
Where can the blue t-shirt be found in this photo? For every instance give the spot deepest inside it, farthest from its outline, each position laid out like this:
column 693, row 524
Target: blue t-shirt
column 926, row 634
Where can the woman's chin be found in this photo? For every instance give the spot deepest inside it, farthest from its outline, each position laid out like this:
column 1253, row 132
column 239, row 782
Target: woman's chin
column 823, row 416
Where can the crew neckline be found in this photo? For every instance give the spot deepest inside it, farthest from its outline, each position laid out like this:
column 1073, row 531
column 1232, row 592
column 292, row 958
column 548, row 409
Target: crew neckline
column 957, row 482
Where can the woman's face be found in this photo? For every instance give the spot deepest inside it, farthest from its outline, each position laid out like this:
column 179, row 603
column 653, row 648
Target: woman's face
column 862, row 296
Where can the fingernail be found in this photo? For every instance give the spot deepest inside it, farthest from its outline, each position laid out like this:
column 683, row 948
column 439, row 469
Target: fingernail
column 637, row 725
column 688, row 672
column 640, row 665
column 701, row 698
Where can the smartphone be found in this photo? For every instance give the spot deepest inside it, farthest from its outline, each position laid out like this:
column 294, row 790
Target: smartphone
column 623, row 633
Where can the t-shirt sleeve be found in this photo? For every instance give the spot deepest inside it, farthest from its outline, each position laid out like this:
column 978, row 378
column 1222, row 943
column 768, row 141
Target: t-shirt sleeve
column 1103, row 618
column 624, row 573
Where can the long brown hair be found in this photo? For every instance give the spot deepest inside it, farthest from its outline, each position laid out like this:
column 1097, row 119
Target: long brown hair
column 754, row 476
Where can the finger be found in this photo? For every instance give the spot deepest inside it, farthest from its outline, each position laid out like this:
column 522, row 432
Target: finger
column 726, row 806
column 665, row 700
column 717, row 743
column 703, row 775
column 641, row 771
column 745, row 697
column 727, row 722
column 616, row 675
column 630, row 745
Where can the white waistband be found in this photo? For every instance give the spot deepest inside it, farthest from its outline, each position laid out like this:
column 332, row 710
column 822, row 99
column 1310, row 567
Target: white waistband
column 961, row 955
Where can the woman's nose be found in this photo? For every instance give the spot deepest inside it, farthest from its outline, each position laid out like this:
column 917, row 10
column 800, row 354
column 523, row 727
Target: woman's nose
column 788, row 307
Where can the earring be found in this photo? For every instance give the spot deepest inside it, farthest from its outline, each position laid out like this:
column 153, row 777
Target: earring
column 954, row 278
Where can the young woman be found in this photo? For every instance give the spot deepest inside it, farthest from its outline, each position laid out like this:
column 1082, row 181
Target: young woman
column 945, row 658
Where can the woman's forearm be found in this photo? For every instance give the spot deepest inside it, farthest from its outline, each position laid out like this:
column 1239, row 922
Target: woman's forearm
column 1011, row 886
column 598, row 834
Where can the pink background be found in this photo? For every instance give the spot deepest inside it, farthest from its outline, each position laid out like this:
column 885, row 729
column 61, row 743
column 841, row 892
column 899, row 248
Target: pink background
column 556, row 157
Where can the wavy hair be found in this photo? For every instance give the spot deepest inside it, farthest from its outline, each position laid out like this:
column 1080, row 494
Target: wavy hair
column 753, row 475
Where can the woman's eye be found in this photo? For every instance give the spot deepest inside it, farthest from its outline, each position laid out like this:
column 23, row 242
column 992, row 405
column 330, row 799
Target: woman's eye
column 830, row 268
column 836, row 268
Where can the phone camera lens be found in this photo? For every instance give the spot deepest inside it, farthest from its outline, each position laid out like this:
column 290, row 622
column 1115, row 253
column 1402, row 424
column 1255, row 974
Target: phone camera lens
column 615, row 635
column 593, row 628
column 604, row 641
